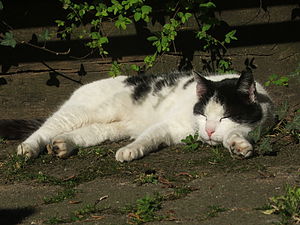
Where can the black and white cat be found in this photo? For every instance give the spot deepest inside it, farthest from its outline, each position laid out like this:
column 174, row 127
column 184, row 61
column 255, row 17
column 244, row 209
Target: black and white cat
column 154, row 110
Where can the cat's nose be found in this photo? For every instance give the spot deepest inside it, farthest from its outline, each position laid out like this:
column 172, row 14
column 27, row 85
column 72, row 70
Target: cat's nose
column 209, row 132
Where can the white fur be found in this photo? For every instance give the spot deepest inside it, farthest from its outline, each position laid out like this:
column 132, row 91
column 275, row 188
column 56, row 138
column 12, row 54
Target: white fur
column 104, row 110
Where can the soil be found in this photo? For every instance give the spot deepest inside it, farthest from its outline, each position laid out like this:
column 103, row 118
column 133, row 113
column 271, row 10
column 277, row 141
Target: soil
column 202, row 186
column 208, row 177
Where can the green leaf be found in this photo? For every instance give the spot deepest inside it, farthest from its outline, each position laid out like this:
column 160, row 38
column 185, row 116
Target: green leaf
column 149, row 60
column 273, row 77
column 206, row 27
column 230, row 36
column 81, row 12
column 135, row 67
column 137, row 16
column 1, row 5
column 60, row 23
column 152, row 38
column 201, row 35
column 103, row 40
column 146, row 9
column 188, row 15
column 208, row 5
column 8, row 40
column 115, row 69
column 276, row 80
column 95, row 35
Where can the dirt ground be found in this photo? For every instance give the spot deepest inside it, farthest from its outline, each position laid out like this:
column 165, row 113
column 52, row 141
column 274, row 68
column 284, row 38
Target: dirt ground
column 172, row 186
column 203, row 186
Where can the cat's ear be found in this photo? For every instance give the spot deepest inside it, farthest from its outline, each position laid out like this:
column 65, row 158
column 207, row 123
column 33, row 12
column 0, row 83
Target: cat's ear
column 246, row 85
column 202, row 84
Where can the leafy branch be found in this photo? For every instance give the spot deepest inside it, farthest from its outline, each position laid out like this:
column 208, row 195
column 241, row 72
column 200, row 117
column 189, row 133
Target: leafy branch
column 84, row 20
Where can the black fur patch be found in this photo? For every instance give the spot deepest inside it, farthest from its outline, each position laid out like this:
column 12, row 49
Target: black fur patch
column 190, row 81
column 237, row 106
column 18, row 129
column 146, row 84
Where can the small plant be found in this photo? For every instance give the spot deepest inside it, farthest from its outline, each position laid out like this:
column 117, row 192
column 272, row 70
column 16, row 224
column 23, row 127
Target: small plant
column 217, row 155
column 179, row 192
column 265, row 147
column 213, row 211
column 277, row 80
column 287, row 205
column 224, row 66
column 145, row 210
column 97, row 150
column 84, row 213
column 15, row 163
column 191, row 142
column 60, row 196
column 55, row 220
column 286, row 125
column 151, row 178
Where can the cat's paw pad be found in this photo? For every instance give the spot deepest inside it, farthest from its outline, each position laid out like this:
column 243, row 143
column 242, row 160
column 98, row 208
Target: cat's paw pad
column 241, row 147
column 128, row 154
column 60, row 147
column 27, row 150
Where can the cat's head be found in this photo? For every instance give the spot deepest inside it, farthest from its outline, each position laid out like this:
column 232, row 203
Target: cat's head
column 226, row 105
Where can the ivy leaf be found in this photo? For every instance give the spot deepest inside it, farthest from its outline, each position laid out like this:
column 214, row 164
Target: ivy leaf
column 8, row 40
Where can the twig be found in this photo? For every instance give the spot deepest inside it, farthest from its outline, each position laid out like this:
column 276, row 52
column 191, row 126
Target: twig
column 45, row 49
column 60, row 74
column 100, row 199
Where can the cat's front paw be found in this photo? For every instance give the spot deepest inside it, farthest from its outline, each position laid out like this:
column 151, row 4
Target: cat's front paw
column 60, row 147
column 27, row 150
column 241, row 147
column 128, row 154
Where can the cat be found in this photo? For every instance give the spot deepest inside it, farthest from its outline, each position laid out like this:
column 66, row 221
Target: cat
column 155, row 110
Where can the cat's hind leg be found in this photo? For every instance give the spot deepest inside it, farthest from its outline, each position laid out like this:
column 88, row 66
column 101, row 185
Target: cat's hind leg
column 63, row 145
column 64, row 120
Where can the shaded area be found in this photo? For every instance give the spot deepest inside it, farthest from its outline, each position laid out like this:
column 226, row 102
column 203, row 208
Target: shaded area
column 22, row 15
column 186, row 42
column 15, row 216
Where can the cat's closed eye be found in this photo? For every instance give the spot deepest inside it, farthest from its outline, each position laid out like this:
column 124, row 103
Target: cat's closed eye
column 225, row 117
column 202, row 115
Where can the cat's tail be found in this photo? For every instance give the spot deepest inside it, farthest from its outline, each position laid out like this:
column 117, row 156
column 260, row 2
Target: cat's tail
column 18, row 129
